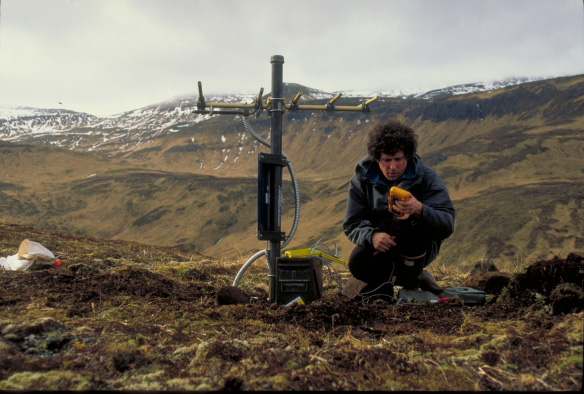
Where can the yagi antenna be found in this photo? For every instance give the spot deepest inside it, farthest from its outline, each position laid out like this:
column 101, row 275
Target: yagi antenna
column 270, row 165
column 258, row 106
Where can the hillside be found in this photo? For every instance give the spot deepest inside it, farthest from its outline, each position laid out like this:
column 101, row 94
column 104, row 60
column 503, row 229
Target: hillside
column 511, row 159
column 122, row 315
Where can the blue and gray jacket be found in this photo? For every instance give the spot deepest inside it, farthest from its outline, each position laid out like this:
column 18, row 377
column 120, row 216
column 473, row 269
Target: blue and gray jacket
column 367, row 207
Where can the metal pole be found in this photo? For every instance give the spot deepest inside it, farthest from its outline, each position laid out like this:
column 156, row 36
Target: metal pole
column 276, row 137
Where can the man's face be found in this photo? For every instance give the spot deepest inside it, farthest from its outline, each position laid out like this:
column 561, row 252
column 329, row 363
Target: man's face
column 393, row 166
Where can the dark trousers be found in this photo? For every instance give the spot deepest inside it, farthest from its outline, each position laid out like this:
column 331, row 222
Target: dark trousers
column 391, row 266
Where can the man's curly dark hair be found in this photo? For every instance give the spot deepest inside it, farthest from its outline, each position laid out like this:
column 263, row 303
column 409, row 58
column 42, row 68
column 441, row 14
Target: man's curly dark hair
column 390, row 137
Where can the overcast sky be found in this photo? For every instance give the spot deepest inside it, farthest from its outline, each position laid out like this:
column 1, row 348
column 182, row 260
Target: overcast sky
column 108, row 56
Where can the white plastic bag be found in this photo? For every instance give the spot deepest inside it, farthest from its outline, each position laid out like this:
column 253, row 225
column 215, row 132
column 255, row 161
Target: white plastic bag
column 13, row 263
column 30, row 250
column 28, row 253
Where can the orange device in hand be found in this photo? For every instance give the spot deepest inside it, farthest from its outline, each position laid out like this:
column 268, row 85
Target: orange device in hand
column 397, row 194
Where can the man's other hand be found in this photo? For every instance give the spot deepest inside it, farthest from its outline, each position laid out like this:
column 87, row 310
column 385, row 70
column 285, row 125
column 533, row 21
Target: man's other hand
column 382, row 242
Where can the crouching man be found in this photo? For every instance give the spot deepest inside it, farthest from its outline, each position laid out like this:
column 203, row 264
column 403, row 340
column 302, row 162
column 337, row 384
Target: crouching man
column 395, row 243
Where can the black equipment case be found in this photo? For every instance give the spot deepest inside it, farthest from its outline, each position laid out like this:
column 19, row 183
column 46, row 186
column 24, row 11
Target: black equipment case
column 298, row 277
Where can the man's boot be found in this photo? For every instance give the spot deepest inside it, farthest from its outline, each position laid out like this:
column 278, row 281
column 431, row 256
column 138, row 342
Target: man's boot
column 428, row 283
column 409, row 270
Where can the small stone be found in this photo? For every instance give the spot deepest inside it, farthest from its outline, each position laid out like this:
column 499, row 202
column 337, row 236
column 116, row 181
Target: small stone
column 484, row 266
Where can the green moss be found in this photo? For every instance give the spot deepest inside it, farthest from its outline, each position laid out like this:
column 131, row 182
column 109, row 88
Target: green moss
column 573, row 362
column 292, row 364
column 181, row 384
column 51, row 380
column 391, row 385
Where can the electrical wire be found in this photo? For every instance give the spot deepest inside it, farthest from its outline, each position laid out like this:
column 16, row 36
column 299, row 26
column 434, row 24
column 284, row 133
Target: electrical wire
column 296, row 205
column 372, row 294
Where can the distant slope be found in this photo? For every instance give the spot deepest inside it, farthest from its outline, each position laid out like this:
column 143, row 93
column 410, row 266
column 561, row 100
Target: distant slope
column 511, row 158
column 187, row 210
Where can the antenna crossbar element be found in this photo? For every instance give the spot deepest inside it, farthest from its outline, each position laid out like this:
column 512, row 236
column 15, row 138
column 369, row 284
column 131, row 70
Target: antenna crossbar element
column 231, row 105
column 212, row 112
column 258, row 106
column 325, row 107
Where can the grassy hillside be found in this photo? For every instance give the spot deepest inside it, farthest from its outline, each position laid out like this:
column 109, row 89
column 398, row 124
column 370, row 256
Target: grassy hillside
column 187, row 210
column 511, row 159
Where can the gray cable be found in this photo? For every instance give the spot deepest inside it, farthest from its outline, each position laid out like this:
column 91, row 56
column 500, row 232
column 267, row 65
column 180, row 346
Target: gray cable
column 296, row 205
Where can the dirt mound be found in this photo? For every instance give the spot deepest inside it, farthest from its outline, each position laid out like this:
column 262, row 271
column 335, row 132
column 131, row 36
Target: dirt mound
column 489, row 282
column 230, row 295
column 556, row 284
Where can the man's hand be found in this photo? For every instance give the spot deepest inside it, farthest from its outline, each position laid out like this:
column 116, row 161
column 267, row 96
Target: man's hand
column 382, row 242
column 407, row 208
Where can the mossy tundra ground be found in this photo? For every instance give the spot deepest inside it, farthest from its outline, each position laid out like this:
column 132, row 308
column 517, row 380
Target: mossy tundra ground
column 128, row 316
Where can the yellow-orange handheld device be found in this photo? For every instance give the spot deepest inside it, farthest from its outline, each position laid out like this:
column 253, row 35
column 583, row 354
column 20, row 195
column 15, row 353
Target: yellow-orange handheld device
column 397, row 194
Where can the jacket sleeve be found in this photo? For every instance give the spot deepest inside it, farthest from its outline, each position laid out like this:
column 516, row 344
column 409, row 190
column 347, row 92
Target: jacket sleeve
column 438, row 212
column 358, row 226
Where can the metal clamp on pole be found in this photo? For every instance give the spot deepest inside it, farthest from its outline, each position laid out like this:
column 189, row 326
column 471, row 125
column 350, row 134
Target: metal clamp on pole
column 276, row 104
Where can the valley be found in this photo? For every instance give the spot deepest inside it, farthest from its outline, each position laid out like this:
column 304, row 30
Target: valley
column 511, row 159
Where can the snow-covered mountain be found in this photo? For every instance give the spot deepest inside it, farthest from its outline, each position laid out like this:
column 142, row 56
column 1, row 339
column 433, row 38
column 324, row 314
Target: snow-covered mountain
column 130, row 130
column 425, row 94
column 474, row 88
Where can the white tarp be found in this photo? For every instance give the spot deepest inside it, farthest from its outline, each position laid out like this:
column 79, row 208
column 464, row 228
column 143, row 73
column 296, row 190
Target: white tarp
column 28, row 253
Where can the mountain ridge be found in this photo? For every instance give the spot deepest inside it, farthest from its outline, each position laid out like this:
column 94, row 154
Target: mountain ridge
column 12, row 112
column 14, row 121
